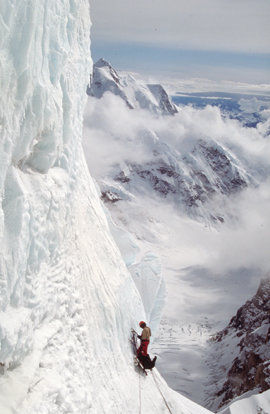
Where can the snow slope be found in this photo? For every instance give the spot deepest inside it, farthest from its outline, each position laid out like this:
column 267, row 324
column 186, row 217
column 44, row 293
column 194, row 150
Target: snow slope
column 254, row 404
column 67, row 299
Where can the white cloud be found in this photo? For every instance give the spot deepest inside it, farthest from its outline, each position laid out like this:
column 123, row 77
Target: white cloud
column 247, row 243
column 112, row 134
column 228, row 25
column 115, row 133
column 220, row 265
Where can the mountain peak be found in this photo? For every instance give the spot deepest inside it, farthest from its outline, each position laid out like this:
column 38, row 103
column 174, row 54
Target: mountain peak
column 101, row 63
column 136, row 94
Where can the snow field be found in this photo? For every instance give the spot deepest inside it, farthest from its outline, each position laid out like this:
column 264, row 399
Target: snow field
column 258, row 404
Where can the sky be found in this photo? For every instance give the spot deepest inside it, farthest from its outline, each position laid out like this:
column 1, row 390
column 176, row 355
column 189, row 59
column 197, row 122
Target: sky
column 217, row 39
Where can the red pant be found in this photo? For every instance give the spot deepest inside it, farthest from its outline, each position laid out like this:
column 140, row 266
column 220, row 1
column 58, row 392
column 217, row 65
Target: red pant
column 142, row 350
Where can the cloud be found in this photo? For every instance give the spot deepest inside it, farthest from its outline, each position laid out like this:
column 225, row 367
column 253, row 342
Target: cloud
column 239, row 26
column 114, row 134
column 175, row 84
column 210, row 264
column 209, row 271
column 246, row 244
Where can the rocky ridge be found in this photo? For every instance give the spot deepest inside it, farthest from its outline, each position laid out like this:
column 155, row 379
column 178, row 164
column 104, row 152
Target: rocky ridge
column 247, row 362
column 189, row 180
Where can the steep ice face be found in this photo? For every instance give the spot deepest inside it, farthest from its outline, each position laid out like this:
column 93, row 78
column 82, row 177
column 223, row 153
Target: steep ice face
column 40, row 127
column 146, row 270
column 42, row 48
column 135, row 94
column 67, row 299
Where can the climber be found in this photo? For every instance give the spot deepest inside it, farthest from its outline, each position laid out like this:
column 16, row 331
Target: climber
column 142, row 353
column 145, row 339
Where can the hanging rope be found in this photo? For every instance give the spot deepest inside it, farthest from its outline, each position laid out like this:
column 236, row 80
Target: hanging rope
column 140, row 395
column 134, row 345
column 161, row 393
column 134, row 340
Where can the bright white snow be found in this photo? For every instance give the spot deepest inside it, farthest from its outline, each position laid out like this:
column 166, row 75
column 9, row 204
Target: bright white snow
column 254, row 404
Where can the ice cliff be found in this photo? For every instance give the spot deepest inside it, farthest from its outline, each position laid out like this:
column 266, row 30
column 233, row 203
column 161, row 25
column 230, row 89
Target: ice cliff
column 67, row 299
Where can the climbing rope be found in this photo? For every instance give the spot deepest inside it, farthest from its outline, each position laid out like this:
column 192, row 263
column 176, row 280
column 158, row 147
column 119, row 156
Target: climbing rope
column 133, row 341
column 140, row 389
column 164, row 399
column 140, row 395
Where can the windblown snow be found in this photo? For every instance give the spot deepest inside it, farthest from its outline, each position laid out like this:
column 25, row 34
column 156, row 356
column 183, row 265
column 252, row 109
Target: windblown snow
column 67, row 300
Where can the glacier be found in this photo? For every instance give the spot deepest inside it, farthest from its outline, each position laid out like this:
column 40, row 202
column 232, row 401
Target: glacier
column 68, row 301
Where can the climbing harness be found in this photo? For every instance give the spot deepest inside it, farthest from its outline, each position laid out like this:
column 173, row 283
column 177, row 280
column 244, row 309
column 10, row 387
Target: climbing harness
column 137, row 362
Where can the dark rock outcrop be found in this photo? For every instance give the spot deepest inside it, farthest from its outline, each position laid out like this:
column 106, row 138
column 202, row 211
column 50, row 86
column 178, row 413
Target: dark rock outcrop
column 250, row 369
column 190, row 180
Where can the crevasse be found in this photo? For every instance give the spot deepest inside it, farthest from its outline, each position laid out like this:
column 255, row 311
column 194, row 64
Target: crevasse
column 67, row 300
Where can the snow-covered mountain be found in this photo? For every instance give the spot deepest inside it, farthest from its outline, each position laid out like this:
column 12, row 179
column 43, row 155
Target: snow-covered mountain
column 135, row 94
column 190, row 173
column 241, row 350
column 189, row 179
column 67, row 299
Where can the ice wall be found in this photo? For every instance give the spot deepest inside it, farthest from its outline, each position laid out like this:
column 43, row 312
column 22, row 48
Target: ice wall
column 44, row 69
column 67, row 300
